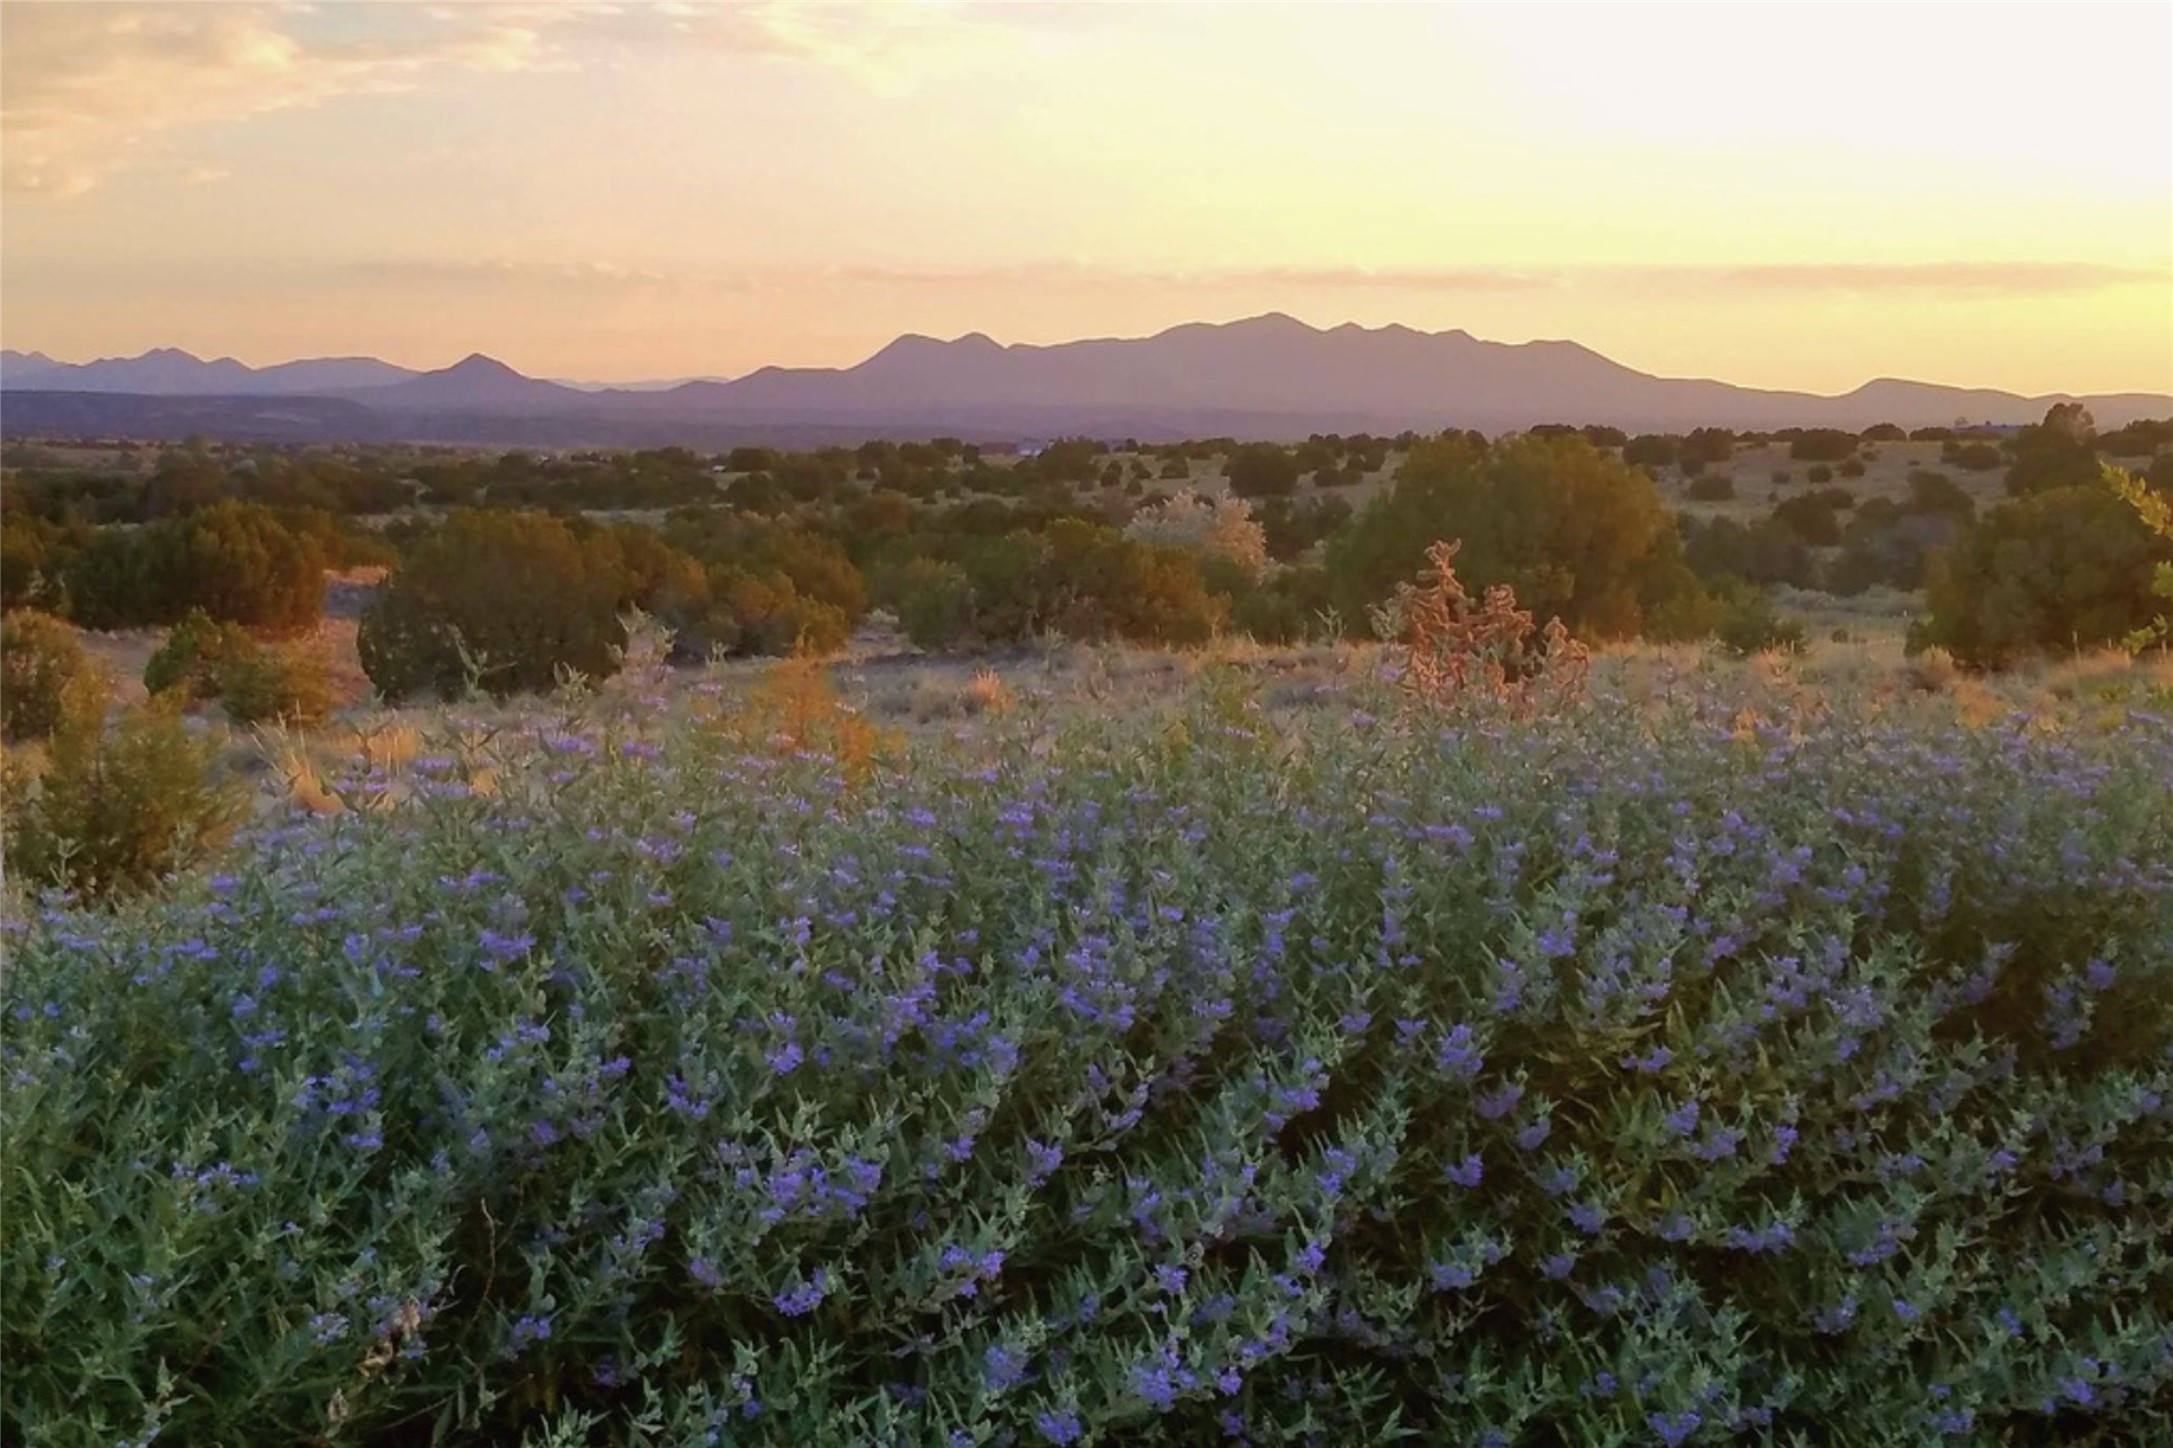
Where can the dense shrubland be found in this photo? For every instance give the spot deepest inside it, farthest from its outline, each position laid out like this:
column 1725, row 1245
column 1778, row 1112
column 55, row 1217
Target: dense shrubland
column 1636, row 1072
column 764, row 551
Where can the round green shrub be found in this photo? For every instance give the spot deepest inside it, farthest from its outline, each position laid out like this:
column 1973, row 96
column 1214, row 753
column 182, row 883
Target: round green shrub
column 509, row 601
column 42, row 664
column 117, row 809
column 194, row 657
column 933, row 601
column 1748, row 624
column 290, row 686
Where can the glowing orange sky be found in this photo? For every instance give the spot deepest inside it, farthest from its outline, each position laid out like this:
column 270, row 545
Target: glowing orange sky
column 1776, row 195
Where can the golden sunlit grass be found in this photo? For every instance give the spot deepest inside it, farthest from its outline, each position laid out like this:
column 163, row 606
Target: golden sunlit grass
column 987, row 693
column 863, row 705
column 861, row 715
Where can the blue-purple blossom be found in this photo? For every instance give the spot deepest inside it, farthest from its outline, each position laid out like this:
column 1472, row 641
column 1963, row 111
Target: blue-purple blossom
column 1675, row 1428
column 1002, row 1368
column 1459, row 1054
column 1060, row 1427
column 805, row 1295
column 1500, row 1101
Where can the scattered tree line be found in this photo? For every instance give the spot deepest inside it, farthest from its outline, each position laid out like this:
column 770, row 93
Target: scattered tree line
column 510, row 571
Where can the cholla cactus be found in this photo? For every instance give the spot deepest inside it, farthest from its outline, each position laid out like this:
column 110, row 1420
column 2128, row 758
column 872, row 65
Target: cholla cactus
column 1456, row 650
column 1218, row 527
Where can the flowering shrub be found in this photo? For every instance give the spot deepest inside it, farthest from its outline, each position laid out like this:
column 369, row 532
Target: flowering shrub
column 1603, row 1077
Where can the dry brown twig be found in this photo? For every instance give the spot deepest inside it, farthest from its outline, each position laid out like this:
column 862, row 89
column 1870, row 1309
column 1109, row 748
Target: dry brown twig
column 1458, row 651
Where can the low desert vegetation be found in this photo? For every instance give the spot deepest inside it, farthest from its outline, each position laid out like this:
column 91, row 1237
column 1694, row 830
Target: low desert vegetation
column 1547, row 1050
column 766, row 552
column 1505, row 1040
column 1539, row 987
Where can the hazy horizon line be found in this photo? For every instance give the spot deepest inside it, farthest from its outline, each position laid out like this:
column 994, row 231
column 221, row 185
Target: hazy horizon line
column 654, row 379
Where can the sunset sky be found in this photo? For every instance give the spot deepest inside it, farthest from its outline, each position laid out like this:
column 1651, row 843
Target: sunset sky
column 1776, row 195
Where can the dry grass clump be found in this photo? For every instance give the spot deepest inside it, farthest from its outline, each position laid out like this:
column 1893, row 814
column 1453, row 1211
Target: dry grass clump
column 987, row 693
column 796, row 709
column 2098, row 674
column 302, row 783
column 1932, row 672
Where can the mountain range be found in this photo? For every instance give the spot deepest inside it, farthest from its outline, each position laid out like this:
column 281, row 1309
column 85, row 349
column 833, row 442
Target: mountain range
column 1269, row 377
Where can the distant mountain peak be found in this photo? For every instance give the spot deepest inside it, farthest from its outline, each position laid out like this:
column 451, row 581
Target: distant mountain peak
column 477, row 364
column 916, row 349
column 1265, row 376
column 907, row 343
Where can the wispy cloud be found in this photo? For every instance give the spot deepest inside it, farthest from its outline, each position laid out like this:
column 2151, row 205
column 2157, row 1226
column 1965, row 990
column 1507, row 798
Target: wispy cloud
column 582, row 275
column 91, row 88
column 1402, row 279
column 2010, row 278
column 1922, row 279
column 1056, row 275
column 1266, row 286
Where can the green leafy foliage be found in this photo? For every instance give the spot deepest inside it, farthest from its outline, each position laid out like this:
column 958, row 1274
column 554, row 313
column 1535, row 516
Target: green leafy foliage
column 1811, row 517
column 933, row 601
column 290, row 686
column 34, row 555
column 1748, row 624
column 1577, row 533
column 1767, row 551
column 1976, row 456
column 1821, row 445
column 2059, row 452
column 2153, row 507
column 1290, row 605
column 236, row 561
column 115, row 809
column 194, row 655
column 2068, row 568
column 42, row 664
column 1262, row 470
column 510, row 601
